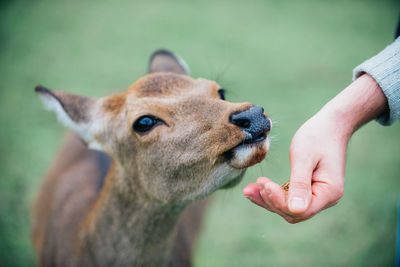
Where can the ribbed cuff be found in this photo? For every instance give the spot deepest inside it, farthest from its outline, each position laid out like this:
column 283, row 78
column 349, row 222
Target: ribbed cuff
column 385, row 69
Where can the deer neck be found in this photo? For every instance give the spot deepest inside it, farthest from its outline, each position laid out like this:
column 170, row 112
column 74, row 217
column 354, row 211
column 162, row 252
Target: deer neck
column 127, row 227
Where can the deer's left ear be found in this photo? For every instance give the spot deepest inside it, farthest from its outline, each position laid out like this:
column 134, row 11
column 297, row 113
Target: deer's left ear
column 76, row 112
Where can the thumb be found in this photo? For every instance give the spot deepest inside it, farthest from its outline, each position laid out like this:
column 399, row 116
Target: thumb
column 299, row 196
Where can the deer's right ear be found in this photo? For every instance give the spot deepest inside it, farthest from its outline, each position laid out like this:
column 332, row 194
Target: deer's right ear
column 166, row 61
column 74, row 111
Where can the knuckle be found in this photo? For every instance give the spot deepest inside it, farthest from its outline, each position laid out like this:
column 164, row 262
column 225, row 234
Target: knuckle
column 338, row 192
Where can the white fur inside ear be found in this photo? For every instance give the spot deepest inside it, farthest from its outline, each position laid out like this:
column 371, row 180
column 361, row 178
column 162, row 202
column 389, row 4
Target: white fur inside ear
column 51, row 103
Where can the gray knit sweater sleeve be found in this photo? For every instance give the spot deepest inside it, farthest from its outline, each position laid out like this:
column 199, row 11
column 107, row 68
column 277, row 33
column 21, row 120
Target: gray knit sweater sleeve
column 385, row 69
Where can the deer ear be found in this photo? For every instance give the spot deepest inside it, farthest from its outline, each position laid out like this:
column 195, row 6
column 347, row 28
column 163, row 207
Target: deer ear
column 165, row 61
column 74, row 111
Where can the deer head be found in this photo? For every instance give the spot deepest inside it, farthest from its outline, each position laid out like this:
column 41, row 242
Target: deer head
column 173, row 137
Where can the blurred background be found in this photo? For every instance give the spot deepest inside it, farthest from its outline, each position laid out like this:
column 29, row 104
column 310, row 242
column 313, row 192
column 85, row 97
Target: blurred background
column 290, row 57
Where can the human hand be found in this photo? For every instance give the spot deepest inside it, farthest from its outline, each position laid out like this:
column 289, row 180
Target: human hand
column 318, row 154
column 317, row 157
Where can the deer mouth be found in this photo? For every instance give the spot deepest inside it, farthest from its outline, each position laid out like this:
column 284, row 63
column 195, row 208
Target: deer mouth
column 248, row 152
column 259, row 138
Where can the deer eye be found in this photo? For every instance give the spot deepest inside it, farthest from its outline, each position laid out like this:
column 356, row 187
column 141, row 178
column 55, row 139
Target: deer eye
column 221, row 93
column 144, row 124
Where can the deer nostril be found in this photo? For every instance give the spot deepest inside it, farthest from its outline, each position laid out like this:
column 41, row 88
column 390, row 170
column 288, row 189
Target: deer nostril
column 242, row 123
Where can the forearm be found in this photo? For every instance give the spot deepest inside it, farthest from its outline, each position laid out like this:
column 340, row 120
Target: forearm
column 360, row 102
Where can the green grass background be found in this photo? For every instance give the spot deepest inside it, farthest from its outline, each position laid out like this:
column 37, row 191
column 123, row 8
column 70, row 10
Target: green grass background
column 288, row 56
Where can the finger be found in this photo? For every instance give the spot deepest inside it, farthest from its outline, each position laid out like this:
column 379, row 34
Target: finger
column 299, row 196
column 252, row 192
column 274, row 197
column 270, row 198
column 262, row 181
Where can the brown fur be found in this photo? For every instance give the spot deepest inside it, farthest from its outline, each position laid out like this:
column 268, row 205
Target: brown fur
column 142, row 215
column 162, row 85
column 114, row 104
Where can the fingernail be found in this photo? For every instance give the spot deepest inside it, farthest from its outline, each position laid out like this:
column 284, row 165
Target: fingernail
column 296, row 203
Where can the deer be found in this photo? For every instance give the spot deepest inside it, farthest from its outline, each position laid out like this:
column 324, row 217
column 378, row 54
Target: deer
column 129, row 184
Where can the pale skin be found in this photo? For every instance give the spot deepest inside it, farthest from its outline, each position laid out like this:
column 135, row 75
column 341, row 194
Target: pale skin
column 318, row 154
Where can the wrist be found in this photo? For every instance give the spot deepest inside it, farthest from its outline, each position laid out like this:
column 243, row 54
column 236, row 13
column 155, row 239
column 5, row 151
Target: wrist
column 362, row 101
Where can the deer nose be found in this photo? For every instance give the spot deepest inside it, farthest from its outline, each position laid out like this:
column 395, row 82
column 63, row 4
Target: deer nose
column 253, row 122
